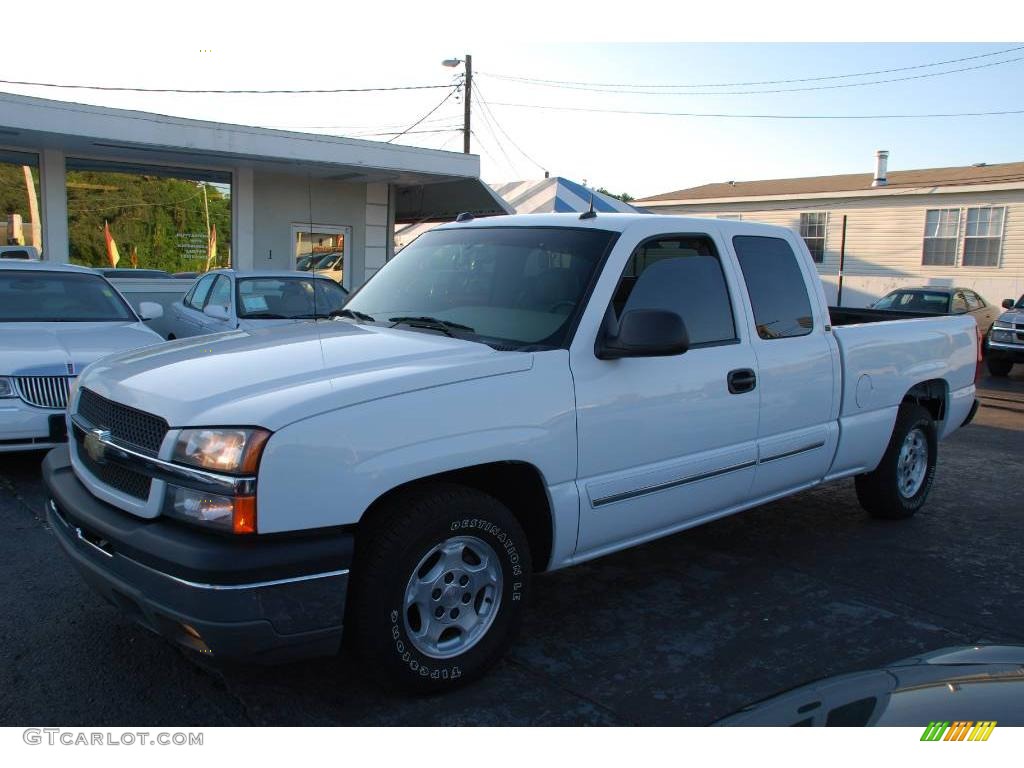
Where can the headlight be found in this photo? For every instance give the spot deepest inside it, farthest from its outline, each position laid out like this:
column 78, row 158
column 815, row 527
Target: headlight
column 1002, row 324
column 235, row 451
column 7, row 387
column 230, row 514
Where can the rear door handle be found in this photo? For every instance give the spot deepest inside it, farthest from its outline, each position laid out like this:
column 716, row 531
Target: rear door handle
column 741, row 380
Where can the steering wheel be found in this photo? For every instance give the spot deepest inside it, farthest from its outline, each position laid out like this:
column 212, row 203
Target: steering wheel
column 566, row 303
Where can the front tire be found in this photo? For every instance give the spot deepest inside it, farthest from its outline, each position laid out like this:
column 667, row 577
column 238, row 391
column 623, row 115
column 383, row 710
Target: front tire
column 899, row 485
column 440, row 579
column 998, row 366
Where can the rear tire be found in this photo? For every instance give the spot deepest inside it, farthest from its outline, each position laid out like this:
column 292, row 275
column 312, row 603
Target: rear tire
column 998, row 366
column 899, row 485
column 438, row 586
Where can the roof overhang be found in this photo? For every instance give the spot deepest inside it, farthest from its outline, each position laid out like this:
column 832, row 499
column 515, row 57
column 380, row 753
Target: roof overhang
column 143, row 137
column 446, row 200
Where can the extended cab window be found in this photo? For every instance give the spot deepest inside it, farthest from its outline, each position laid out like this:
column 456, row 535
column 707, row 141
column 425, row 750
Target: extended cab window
column 775, row 283
column 690, row 283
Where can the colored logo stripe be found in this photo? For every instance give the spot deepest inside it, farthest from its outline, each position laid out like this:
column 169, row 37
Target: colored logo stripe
column 961, row 730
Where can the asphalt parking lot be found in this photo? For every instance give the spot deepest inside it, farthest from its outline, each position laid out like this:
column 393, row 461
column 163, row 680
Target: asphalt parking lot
column 678, row 632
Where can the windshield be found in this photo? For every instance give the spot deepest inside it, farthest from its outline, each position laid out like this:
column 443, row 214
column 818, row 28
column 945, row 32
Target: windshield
column 513, row 285
column 68, row 297
column 1020, row 302
column 915, row 301
column 327, row 260
column 290, row 298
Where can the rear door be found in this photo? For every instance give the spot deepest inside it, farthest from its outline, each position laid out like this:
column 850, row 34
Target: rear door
column 796, row 362
column 662, row 441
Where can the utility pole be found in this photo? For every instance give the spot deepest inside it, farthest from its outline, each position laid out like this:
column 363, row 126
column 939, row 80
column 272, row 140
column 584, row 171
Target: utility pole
column 468, row 96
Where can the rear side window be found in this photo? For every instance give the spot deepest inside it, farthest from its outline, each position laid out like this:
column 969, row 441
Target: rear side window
column 687, row 280
column 778, row 293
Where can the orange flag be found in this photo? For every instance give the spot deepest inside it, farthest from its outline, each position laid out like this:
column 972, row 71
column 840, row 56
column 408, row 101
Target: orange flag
column 211, row 249
column 133, row 257
column 112, row 253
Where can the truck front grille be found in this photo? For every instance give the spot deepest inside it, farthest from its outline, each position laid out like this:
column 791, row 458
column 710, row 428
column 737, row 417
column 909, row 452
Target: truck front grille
column 117, row 477
column 129, row 425
column 43, row 391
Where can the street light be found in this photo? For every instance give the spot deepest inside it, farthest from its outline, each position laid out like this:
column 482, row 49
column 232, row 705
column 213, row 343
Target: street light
column 467, row 96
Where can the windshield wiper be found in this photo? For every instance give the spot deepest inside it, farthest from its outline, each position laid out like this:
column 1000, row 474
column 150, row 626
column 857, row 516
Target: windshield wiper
column 354, row 314
column 264, row 316
column 433, row 323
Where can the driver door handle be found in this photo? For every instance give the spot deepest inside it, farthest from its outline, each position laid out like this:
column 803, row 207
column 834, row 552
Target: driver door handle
column 741, row 380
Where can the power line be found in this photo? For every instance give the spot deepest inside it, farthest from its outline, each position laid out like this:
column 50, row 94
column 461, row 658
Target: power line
column 376, row 127
column 226, row 91
column 487, row 108
column 494, row 134
column 760, row 82
column 781, row 90
column 406, row 132
column 440, row 104
column 601, row 110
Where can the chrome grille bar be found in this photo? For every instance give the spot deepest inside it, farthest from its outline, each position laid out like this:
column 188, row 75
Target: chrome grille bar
column 43, row 391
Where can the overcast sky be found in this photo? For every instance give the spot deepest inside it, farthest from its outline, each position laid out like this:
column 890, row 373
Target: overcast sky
column 639, row 154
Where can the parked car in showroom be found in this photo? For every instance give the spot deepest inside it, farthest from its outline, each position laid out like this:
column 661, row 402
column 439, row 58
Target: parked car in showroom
column 54, row 321
column 331, row 265
column 1006, row 344
column 942, row 300
column 23, row 252
column 506, row 395
column 224, row 300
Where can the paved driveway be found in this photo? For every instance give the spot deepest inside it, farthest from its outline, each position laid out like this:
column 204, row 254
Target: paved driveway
column 680, row 631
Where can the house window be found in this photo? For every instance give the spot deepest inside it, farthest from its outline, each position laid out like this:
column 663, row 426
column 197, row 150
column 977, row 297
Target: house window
column 812, row 229
column 984, row 236
column 941, row 234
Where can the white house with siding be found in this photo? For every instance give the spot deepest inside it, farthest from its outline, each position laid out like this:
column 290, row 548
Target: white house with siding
column 960, row 226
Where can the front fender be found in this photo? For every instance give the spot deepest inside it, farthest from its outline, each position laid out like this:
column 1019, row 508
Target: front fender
column 328, row 469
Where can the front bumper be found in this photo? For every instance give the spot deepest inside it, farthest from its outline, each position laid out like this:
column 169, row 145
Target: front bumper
column 25, row 427
column 1014, row 352
column 263, row 599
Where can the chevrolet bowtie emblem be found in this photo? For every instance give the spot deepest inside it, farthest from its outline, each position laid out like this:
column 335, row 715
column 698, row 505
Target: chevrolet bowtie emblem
column 94, row 446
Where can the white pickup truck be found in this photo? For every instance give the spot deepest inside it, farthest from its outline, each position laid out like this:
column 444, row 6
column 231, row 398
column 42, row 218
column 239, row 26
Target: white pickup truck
column 505, row 396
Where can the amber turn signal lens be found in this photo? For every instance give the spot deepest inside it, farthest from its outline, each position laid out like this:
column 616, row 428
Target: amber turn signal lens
column 244, row 517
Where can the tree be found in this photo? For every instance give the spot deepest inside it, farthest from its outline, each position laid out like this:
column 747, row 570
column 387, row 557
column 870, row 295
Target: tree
column 624, row 197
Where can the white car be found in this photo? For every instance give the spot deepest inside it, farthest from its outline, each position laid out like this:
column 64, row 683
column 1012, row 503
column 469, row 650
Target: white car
column 225, row 300
column 54, row 321
column 506, row 395
column 330, row 265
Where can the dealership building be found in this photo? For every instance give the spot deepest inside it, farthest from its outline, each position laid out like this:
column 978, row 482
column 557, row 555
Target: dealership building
column 184, row 195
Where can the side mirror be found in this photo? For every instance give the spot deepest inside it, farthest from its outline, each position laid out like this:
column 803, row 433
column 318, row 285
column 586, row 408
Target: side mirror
column 645, row 333
column 217, row 312
column 1008, row 303
column 150, row 310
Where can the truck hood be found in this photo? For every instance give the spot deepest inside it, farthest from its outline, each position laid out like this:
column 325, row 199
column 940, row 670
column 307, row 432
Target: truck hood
column 271, row 377
column 48, row 349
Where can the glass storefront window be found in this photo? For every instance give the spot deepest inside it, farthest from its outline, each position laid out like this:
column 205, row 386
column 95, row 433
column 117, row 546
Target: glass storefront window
column 321, row 249
column 20, row 221
column 148, row 217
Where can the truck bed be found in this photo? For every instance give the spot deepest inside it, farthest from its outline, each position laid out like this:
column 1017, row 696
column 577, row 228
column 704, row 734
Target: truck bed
column 860, row 315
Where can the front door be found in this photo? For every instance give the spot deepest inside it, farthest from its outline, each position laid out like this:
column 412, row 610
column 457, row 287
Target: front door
column 663, row 441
